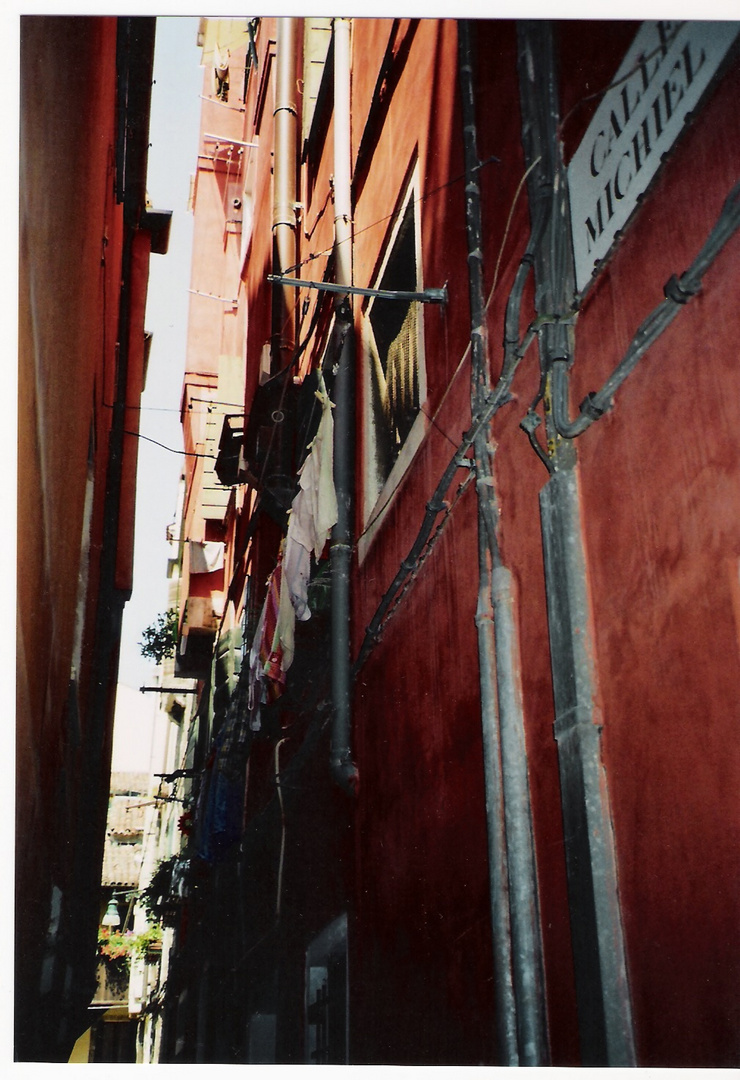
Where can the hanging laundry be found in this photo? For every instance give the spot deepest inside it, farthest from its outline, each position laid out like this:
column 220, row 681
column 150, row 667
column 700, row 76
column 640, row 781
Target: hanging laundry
column 257, row 696
column 266, row 670
column 205, row 557
column 312, row 515
column 314, row 509
column 221, row 59
column 220, row 804
column 271, row 651
column 296, row 576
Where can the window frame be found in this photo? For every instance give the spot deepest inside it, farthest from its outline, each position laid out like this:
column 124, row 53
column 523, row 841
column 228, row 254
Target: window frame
column 376, row 502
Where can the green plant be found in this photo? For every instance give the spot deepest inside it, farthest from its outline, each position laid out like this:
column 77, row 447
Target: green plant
column 160, row 639
column 147, row 939
column 117, row 948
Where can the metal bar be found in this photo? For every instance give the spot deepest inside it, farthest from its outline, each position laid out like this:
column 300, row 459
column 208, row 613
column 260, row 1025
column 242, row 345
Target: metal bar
column 428, row 296
column 227, row 141
column 212, row 296
column 166, row 690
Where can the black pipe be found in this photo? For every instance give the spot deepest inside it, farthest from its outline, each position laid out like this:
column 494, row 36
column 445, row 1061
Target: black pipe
column 340, row 758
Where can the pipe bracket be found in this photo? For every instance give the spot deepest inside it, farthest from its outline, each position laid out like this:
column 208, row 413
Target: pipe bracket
column 676, row 290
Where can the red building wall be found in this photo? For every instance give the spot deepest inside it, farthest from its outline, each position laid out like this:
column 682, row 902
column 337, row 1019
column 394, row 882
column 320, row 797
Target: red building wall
column 659, row 494
column 661, row 488
column 74, row 275
column 422, row 847
column 658, row 501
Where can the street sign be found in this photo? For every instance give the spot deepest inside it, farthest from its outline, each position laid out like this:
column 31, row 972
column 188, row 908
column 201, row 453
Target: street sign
column 659, row 83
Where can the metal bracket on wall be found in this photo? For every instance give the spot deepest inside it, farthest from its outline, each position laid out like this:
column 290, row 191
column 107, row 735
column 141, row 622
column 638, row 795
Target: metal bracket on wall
column 428, row 296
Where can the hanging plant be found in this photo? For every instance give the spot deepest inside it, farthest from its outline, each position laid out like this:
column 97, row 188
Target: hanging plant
column 158, row 898
column 114, row 946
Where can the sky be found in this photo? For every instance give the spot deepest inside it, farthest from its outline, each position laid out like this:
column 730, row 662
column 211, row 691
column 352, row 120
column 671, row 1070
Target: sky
column 174, row 127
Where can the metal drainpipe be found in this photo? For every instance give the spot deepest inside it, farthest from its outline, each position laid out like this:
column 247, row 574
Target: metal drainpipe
column 340, row 758
column 518, row 972
column 602, row 990
column 284, row 181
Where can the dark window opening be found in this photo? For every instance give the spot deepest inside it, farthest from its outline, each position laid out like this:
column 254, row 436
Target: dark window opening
column 326, row 996
column 394, row 371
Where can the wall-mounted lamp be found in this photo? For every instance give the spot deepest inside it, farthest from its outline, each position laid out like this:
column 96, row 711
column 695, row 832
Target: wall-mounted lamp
column 111, row 917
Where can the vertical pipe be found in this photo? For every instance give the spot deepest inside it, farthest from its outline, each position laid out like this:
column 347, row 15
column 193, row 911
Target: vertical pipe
column 497, row 858
column 342, row 766
column 602, row 990
column 284, row 179
column 342, row 154
column 527, row 960
column 503, row 985
column 523, row 962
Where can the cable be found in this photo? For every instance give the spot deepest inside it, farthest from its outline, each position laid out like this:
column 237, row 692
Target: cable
column 677, row 293
column 506, row 229
column 617, row 82
column 388, row 217
column 172, row 450
column 278, row 786
column 159, row 408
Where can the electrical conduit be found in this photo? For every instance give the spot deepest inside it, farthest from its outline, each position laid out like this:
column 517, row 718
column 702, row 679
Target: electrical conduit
column 518, row 974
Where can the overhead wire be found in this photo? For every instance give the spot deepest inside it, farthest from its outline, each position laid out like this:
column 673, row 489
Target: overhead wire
column 172, row 450
column 388, row 217
column 514, row 351
column 641, row 61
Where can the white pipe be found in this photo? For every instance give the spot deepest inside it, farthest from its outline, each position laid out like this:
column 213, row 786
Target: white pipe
column 284, row 180
column 342, row 154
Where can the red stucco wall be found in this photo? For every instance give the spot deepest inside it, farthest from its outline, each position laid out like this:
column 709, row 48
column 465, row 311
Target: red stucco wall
column 68, row 130
column 660, row 495
column 661, row 491
column 659, row 485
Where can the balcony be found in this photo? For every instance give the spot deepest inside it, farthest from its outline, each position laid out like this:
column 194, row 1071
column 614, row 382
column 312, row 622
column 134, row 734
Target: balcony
column 112, row 983
column 197, row 635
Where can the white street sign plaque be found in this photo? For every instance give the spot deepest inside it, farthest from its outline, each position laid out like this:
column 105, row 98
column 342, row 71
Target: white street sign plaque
column 660, row 81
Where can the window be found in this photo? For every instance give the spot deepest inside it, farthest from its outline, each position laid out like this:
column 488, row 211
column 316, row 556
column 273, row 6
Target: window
column 326, row 996
column 316, row 42
column 393, row 369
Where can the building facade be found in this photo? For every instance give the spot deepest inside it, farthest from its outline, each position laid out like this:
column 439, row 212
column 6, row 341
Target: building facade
column 86, row 236
column 463, row 768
